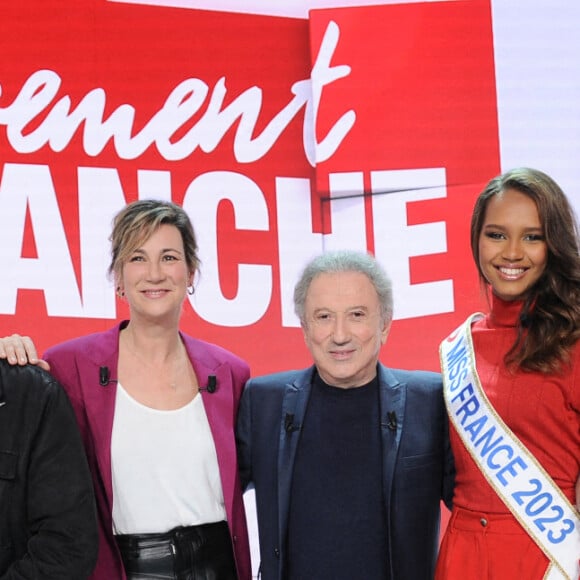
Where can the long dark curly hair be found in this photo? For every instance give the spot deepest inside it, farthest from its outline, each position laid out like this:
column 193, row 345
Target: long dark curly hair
column 549, row 324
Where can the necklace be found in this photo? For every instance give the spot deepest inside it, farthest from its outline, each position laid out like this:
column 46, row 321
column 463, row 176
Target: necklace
column 178, row 370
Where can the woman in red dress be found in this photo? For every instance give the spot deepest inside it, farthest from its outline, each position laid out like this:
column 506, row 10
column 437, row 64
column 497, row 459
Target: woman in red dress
column 526, row 360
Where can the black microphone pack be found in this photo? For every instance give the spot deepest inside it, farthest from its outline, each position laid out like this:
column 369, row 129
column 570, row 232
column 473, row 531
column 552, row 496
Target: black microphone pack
column 211, row 385
column 289, row 425
column 104, row 377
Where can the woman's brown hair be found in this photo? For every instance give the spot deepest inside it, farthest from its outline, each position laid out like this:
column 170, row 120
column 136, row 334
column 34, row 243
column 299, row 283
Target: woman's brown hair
column 138, row 220
column 550, row 321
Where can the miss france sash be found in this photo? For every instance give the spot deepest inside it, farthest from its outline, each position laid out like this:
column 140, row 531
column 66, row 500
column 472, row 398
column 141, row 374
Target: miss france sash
column 514, row 473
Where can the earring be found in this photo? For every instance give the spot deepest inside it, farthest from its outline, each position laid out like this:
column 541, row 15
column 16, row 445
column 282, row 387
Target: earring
column 120, row 293
column 190, row 290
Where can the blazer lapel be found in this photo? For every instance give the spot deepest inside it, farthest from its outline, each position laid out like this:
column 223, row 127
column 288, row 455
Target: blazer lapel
column 392, row 409
column 219, row 409
column 293, row 410
column 100, row 399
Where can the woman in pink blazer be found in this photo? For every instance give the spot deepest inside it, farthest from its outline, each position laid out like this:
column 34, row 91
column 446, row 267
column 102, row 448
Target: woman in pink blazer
column 156, row 409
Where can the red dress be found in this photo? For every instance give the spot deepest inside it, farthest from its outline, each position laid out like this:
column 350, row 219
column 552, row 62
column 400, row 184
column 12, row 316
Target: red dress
column 483, row 540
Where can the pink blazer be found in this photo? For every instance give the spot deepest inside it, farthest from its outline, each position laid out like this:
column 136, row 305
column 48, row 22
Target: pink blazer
column 77, row 363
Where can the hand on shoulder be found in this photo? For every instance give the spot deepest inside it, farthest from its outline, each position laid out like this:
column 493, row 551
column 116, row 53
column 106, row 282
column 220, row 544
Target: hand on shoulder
column 17, row 349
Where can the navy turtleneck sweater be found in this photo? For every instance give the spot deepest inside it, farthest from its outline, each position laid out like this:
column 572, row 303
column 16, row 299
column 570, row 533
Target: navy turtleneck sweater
column 336, row 522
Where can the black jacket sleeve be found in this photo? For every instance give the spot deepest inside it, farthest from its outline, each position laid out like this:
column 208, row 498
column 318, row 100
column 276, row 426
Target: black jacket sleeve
column 51, row 517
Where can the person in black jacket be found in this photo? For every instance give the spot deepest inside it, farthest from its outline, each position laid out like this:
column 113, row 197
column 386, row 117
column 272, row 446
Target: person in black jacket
column 48, row 525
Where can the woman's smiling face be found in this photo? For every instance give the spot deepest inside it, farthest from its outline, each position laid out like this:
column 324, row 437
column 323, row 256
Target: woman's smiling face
column 513, row 253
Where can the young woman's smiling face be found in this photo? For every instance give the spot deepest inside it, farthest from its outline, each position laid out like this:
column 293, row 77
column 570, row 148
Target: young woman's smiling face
column 512, row 249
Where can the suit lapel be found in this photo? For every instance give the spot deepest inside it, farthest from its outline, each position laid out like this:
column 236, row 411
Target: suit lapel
column 219, row 409
column 293, row 411
column 392, row 400
column 100, row 399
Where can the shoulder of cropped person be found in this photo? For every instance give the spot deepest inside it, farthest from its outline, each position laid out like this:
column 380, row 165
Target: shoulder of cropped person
column 49, row 512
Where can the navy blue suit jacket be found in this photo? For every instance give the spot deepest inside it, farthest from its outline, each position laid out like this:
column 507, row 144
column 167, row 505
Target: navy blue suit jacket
column 417, row 463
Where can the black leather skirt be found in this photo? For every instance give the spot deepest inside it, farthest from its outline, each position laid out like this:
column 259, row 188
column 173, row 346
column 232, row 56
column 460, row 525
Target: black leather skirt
column 201, row 552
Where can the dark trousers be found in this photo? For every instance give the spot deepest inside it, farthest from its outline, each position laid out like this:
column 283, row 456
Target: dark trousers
column 201, row 552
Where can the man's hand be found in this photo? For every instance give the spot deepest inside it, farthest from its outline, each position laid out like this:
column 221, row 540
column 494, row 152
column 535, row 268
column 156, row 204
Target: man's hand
column 20, row 350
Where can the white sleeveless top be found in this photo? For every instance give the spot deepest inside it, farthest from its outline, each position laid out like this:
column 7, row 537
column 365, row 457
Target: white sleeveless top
column 164, row 467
